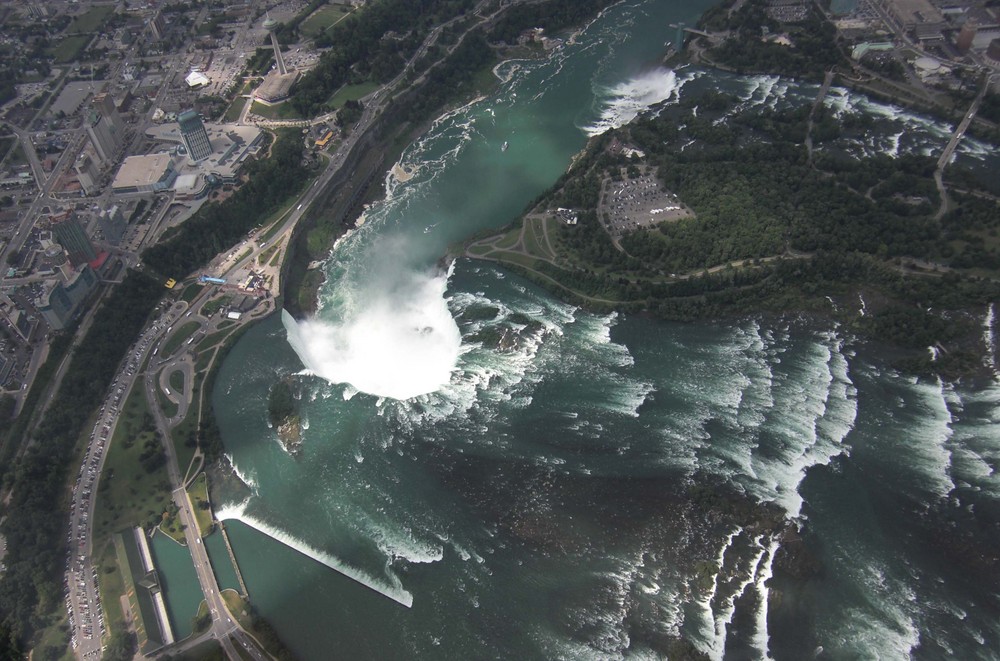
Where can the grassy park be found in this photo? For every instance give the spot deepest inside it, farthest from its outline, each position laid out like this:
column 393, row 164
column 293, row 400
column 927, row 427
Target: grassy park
column 279, row 111
column 91, row 20
column 134, row 488
column 202, row 506
column 351, row 93
column 323, row 19
column 179, row 337
column 191, row 292
column 68, row 49
column 177, row 381
column 166, row 405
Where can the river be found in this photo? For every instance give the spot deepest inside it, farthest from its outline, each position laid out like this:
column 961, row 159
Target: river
column 456, row 497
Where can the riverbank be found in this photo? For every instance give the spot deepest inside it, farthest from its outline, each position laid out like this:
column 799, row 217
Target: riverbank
column 789, row 217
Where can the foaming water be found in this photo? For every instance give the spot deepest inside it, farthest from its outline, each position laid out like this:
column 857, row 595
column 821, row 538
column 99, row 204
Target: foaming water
column 397, row 342
column 514, row 456
column 238, row 512
column 626, row 100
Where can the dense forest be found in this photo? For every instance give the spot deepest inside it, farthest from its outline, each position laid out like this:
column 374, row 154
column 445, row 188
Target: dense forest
column 372, row 45
column 746, row 50
column 218, row 226
column 452, row 79
column 779, row 228
column 35, row 527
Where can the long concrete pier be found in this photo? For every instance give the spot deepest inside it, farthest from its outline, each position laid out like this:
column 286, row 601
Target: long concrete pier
column 232, row 559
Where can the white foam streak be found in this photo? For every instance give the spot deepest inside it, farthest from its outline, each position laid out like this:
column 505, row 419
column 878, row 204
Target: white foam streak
column 626, row 100
column 708, row 624
column 760, row 637
column 931, row 449
column 247, row 480
column 989, row 338
column 237, row 512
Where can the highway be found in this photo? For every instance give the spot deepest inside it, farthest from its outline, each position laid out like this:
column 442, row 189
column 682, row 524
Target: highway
column 82, row 597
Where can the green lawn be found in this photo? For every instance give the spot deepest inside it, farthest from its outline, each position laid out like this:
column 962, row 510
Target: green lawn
column 166, row 405
column 264, row 256
column 179, row 337
column 210, row 650
column 91, row 21
column 68, row 49
column 211, row 340
column 191, row 292
column 128, row 494
column 280, row 111
column 351, row 93
column 199, row 495
column 237, row 607
column 6, row 142
column 515, row 258
column 109, row 584
column 185, row 434
column 177, row 381
column 17, row 157
column 234, row 110
column 322, row 19
column 510, row 239
column 55, row 636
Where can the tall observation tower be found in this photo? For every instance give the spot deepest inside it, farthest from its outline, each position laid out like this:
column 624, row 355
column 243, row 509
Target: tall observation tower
column 278, row 82
column 269, row 25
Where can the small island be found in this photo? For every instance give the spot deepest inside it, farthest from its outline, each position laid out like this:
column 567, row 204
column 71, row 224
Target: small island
column 283, row 414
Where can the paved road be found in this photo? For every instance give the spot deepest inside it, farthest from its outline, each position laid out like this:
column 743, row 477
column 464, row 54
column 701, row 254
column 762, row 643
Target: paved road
column 82, row 596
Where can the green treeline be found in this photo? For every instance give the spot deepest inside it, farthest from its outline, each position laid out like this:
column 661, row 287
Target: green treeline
column 814, row 51
column 757, row 194
column 371, row 45
column 777, row 228
column 551, row 16
column 218, row 226
column 35, row 527
column 450, row 80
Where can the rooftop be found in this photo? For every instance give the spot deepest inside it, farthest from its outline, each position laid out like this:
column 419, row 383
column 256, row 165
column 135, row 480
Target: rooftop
column 141, row 171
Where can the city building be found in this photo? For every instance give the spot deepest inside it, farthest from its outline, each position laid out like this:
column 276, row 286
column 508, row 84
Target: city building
column 906, row 15
column 60, row 302
column 965, row 36
column 88, row 171
column 158, row 26
column 73, row 238
column 993, row 54
column 231, row 147
column 195, row 137
column 197, row 79
column 105, row 128
column 151, row 173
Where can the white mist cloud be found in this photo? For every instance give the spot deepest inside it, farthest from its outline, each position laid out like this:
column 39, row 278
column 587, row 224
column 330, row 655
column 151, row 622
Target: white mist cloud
column 393, row 334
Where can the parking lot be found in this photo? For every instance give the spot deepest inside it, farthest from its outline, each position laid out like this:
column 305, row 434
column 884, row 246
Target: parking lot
column 638, row 203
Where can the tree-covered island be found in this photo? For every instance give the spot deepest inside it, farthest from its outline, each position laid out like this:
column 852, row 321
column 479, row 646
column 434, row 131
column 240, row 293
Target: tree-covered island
column 710, row 208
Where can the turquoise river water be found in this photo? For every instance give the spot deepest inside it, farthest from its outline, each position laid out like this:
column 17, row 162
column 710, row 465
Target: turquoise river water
column 456, row 499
